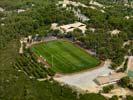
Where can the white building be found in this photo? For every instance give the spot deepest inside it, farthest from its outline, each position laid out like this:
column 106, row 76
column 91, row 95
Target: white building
column 68, row 2
column 1, row 9
column 69, row 27
column 92, row 2
column 2, row 24
column 115, row 32
column 20, row 10
column 128, row 17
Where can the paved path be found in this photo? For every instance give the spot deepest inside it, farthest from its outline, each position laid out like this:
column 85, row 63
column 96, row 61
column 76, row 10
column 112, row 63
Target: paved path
column 84, row 80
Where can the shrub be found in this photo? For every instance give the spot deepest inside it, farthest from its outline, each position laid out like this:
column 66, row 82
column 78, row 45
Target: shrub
column 107, row 89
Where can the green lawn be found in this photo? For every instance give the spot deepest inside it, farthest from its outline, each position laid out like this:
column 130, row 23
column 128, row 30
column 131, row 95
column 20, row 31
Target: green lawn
column 67, row 57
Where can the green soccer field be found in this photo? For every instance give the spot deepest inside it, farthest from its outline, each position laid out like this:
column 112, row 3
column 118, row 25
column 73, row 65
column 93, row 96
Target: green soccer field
column 64, row 56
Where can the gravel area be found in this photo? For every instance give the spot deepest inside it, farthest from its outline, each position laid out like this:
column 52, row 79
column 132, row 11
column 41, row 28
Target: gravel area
column 84, row 80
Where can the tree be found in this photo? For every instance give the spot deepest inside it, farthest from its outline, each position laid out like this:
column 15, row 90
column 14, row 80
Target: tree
column 108, row 88
column 91, row 96
column 115, row 97
column 56, row 32
column 124, row 82
column 129, row 97
column 77, row 33
column 130, row 86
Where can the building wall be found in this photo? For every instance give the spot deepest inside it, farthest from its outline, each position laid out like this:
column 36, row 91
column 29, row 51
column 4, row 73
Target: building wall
column 130, row 73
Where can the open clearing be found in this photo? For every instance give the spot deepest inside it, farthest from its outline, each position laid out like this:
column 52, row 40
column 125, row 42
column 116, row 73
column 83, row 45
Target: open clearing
column 65, row 57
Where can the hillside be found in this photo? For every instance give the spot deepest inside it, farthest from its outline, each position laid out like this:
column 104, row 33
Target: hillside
column 108, row 34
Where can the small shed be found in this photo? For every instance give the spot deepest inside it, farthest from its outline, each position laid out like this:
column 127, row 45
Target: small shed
column 109, row 79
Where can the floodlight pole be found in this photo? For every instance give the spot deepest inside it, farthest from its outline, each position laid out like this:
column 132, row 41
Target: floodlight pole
column 52, row 60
